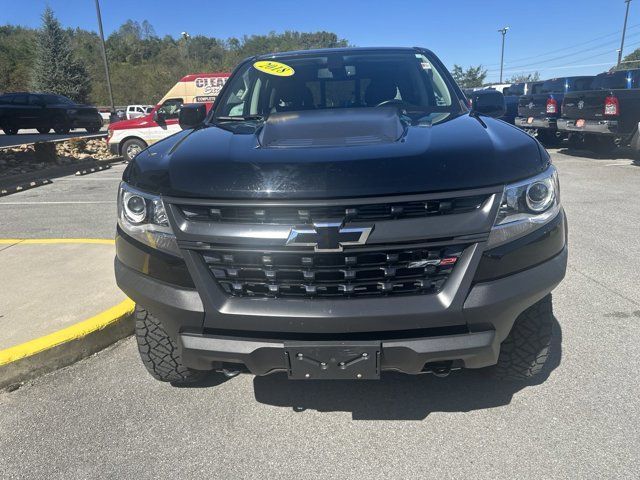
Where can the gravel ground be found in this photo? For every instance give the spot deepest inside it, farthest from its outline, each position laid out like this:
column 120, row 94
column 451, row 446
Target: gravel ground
column 105, row 417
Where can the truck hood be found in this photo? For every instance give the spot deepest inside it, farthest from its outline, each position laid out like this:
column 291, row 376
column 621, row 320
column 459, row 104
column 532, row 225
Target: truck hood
column 456, row 152
column 138, row 122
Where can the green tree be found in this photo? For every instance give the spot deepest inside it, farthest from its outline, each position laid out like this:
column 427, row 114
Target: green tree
column 469, row 78
column 55, row 68
column 631, row 61
column 524, row 77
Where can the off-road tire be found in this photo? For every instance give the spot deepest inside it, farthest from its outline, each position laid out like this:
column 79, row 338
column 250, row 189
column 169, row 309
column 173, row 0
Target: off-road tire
column 524, row 352
column 159, row 352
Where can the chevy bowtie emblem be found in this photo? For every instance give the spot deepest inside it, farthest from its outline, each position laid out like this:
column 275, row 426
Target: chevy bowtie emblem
column 327, row 236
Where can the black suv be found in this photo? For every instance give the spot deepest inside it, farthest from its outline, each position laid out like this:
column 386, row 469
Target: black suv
column 44, row 112
column 339, row 213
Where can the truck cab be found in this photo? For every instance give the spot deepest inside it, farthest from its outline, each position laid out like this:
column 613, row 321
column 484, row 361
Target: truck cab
column 131, row 136
column 538, row 112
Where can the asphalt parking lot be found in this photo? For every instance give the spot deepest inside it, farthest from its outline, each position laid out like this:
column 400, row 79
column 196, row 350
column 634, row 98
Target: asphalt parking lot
column 106, row 417
column 32, row 136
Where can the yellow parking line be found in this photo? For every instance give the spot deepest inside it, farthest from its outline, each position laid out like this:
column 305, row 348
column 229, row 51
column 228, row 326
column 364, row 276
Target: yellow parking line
column 44, row 241
column 74, row 332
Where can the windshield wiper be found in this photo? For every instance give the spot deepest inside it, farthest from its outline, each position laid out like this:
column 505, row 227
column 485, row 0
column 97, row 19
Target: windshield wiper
column 240, row 118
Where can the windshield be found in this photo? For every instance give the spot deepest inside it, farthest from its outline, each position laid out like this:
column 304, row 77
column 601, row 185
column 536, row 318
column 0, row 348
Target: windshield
column 606, row 81
column 334, row 81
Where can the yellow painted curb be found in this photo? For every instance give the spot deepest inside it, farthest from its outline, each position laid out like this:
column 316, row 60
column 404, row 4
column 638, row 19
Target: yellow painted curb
column 50, row 241
column 74, row 332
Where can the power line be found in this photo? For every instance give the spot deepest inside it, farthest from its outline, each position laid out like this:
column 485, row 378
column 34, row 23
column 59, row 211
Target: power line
column 567, row 55
column 551, row 52
column 534, row 65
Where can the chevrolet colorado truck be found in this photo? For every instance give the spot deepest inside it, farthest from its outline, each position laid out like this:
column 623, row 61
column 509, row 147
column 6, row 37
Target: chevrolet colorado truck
column 538, row 113
column 337, row 214
column 606, row 116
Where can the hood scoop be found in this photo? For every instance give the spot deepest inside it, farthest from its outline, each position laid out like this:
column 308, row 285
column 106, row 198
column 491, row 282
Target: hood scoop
column 332, row 128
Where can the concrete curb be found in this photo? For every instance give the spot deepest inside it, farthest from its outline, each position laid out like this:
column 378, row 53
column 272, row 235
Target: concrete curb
column 64, row 347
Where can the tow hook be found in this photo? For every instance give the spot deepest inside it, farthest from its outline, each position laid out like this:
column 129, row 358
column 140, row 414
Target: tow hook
column 439, row 369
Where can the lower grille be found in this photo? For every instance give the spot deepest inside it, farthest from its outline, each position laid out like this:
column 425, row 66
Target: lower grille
column 397, row 271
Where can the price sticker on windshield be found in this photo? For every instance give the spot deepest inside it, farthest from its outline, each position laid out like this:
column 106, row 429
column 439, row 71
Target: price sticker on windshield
column 274, row 68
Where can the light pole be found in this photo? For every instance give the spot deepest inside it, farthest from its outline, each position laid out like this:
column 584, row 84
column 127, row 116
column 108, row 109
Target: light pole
column 503, row 31
column 186, row 37
column 624, row 30
column 106, row 64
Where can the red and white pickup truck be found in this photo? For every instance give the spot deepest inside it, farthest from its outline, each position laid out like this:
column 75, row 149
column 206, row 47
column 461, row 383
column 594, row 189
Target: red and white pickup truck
column 130, row 137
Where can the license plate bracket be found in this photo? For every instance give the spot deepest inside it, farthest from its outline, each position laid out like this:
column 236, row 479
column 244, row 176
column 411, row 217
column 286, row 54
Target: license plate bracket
column 333, row 360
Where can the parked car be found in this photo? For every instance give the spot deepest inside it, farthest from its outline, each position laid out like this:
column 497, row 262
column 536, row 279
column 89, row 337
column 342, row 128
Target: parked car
column 136, row 111
column 339, row 213
column 607, row 115
column 512, row 95
column 130, row 137
column 44, row 112
column 538, row 113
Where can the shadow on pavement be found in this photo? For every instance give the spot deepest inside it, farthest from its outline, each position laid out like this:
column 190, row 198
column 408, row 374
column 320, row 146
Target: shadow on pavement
column 397, row 396
column 620, row 154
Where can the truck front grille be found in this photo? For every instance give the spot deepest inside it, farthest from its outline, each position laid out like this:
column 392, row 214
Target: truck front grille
column 355, row 212
column 390, row 271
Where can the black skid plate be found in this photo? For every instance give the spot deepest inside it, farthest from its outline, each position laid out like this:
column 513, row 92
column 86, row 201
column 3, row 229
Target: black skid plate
column 333, row 360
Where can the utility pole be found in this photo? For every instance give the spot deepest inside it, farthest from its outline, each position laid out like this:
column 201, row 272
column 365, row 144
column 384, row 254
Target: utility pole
column 624, row 31
column 187, row 38
column 503, row 31
column 106, row 64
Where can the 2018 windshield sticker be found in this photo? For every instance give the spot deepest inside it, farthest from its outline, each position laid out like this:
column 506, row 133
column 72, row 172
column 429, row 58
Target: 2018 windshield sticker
column 274, row 68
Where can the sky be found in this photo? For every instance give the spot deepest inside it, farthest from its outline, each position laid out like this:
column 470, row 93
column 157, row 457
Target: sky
column 554, row 37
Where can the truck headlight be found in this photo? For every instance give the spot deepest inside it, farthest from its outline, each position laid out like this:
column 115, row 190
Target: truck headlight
column 525, row 207
column 142, row 216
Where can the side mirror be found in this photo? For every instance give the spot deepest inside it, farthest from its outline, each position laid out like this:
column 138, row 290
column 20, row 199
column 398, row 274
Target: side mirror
column 488, row 102
column 159, row 117
column 192, row 115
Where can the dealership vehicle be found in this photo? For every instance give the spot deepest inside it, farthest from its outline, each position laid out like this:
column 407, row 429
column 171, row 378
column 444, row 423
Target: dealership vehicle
column 538, row 113
column 512, row 95
column 44, row 112
column 130, row 137
column 136, row 111
column 340, row 213
column 607, row 115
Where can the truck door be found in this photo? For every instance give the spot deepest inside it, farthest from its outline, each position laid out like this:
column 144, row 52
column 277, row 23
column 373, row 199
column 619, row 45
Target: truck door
column 20, row 114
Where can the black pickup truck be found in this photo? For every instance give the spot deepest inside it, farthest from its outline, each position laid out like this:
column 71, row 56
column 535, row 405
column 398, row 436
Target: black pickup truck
column 538, row 113
column 606, row 116
column 339, row 213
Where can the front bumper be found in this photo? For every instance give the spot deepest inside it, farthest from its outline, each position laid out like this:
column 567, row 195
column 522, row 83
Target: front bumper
column 484, row 320
column 536, row 122
column 602, row 127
